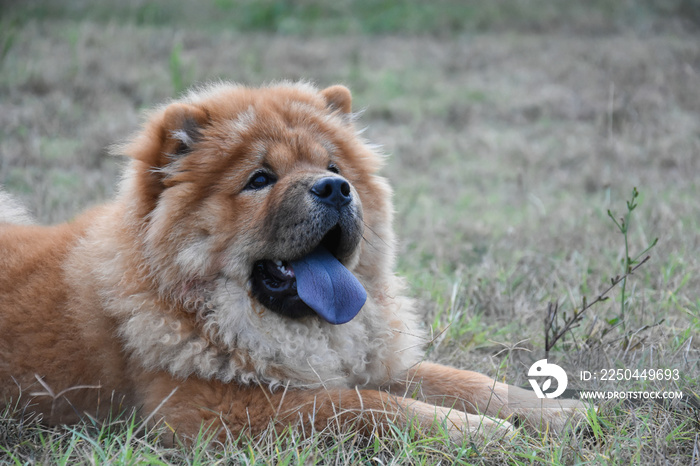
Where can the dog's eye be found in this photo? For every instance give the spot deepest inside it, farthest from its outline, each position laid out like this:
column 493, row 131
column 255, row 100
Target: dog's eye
column 333, row 168
column 260, row 180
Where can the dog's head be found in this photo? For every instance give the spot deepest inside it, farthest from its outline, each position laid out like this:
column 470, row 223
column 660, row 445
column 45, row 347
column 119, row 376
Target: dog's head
column 270, row 188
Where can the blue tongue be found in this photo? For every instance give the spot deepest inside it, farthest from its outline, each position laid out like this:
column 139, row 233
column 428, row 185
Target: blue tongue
column 327, row 287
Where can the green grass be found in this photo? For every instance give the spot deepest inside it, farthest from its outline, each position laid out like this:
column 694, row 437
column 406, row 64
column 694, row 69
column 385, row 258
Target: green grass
column 505, row 152
column 441, row 17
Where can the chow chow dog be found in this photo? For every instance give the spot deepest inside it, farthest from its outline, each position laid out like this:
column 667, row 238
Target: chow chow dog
column 242, row 279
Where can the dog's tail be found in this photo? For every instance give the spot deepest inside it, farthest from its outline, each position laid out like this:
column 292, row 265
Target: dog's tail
column 11, row 211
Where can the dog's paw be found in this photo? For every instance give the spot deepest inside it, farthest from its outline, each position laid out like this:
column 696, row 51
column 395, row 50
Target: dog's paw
column 553, row 415
column 457, row 424
column 460, row 424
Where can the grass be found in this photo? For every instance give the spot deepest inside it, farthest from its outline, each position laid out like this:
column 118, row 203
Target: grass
column 323, row 17
column 627, row 262
column 509, row 141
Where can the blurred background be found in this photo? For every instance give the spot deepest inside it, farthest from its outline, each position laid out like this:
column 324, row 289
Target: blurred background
column 511, row 128
column 440, row 17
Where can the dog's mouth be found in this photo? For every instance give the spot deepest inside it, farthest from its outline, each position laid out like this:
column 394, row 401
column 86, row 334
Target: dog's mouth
column 315, row 284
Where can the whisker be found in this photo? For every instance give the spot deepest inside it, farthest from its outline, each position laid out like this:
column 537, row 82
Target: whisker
column 376, row 236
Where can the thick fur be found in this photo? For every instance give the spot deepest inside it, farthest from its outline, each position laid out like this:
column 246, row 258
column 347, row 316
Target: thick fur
column 12, row 211
column 146, row 302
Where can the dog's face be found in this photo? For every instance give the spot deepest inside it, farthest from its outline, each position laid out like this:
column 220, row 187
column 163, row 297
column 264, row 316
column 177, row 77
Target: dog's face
column 256, row 185
column 251, row 222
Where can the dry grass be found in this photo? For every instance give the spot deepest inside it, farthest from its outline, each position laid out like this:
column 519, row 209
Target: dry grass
column 506, row 151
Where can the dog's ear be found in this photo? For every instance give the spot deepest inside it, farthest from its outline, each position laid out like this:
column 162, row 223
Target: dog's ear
column 169, row 136
column 181, row 129
column 338, row 98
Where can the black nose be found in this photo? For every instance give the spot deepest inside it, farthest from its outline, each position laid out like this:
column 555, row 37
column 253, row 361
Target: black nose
column 333, row 191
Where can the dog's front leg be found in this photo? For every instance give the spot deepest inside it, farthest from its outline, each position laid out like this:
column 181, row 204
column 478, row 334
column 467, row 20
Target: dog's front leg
column 373, row 411
column 473, row 392
column 226, row 410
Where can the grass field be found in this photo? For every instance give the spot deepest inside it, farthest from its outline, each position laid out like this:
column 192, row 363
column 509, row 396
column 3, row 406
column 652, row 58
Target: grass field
column 511, row 130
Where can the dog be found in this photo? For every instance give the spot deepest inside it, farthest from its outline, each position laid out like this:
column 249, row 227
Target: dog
column 242, row 279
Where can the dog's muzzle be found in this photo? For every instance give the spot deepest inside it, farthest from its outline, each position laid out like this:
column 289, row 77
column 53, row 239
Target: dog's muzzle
column 316, row 282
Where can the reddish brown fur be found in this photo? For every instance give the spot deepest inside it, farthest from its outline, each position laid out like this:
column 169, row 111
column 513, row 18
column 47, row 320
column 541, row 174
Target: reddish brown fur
column 68, row 293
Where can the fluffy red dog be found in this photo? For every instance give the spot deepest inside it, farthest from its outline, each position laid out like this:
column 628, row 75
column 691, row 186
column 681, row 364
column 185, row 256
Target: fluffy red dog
column 242, row 278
